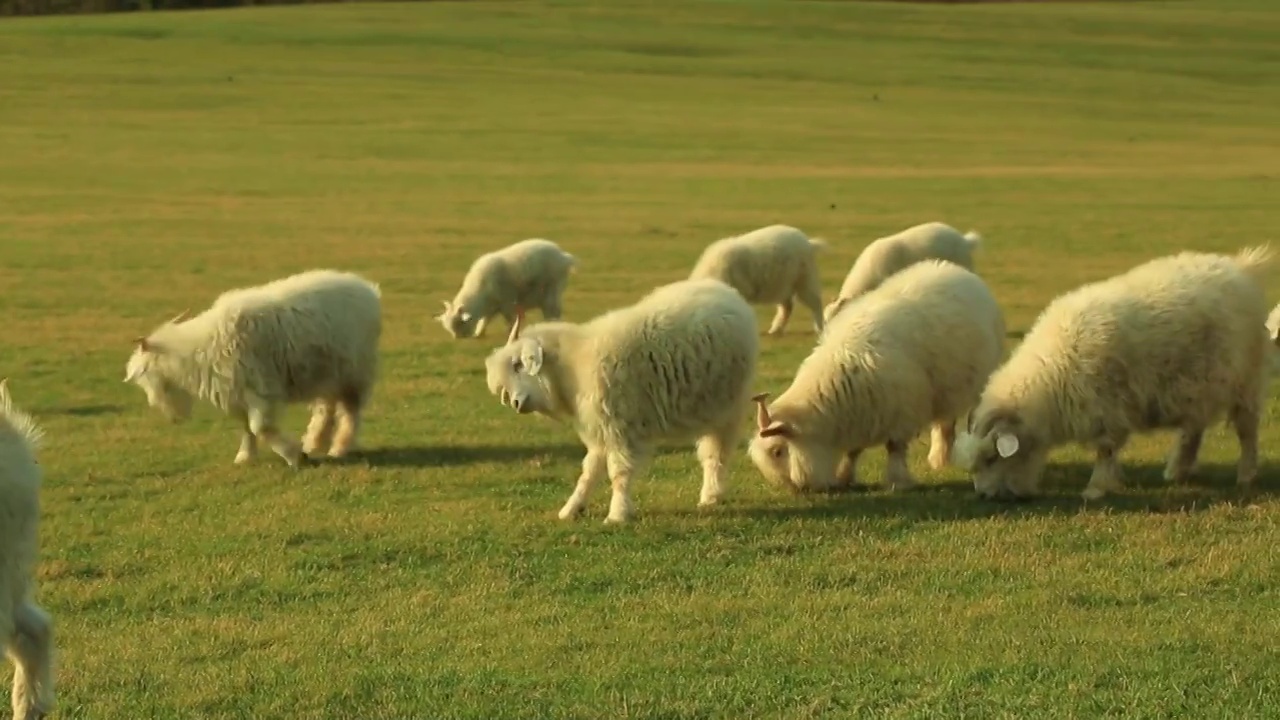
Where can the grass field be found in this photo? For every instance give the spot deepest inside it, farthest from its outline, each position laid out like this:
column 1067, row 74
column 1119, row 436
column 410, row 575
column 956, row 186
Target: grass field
column 150, row 161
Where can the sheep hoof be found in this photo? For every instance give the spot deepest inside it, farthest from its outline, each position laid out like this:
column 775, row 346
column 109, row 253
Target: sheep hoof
column 1093, row 493
column 242, row 458
column 569, row 512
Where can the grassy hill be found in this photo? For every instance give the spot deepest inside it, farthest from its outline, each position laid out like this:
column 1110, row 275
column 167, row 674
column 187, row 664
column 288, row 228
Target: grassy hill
column 150, row 161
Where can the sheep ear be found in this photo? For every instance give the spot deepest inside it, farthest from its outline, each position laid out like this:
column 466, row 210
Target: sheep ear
column 1006, row 445
column 143, row 344
column 777, row 427
column 180, row 317
column 531, row 357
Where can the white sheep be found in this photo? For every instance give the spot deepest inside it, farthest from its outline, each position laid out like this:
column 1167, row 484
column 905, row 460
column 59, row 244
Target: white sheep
column 676, row 365
column 771, row 265
column 887, row 255
column 311, row 337
column 1174, row 343
column 529, row 274
column 914, row 352
column 26, row 630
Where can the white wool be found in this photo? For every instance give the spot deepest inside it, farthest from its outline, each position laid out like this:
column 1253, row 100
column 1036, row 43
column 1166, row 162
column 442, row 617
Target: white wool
column 528, row 274
column 913, row 352
column 773, row 265
column 1175, row 343
column 890, row 254
column 1273, row 330
column 311, row 337
column 676, row 365
column 26, row 630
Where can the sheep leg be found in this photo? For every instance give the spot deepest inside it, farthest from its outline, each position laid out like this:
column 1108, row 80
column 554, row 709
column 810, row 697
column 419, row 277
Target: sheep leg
column 713, row 453
column 1245, row 420
column 262, row 422
column 350, row 406
column 551, row 309
column 897, row 475
column 847, row 471
column 622, row 466
column 320, row 429
column 594, row 467
column 1107, row 476
column 810, row 295
column 248, row 442
column 1182, row 459
column 781, row 317
column 941, row 437
column 31, row 651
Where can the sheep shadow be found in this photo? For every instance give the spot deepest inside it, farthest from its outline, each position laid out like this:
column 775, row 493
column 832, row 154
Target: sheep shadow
column 1146, row 491
column 84, row 410
column 1016, row 334
column 429, row 456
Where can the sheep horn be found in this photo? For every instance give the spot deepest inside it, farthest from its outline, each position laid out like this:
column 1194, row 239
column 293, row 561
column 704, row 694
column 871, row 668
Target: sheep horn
column 180, row 317
column 516, row 326
column 762, row 410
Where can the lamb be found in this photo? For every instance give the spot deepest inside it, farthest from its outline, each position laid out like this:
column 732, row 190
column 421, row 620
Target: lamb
column 311, row 337
column 26, row 629
column 914, row 352
column 676, row 365
column 1174, row 343
column 771, row 265
column 890, row 254
column 531, row 273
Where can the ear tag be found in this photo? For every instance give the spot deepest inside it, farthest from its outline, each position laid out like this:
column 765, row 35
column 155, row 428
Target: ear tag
column 1006, row 445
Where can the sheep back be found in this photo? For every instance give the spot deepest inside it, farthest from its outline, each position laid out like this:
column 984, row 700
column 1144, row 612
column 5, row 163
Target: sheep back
column 679, row 361
column 764, row 265
column 918, row 348
column 1174, row 341
column 890, row 254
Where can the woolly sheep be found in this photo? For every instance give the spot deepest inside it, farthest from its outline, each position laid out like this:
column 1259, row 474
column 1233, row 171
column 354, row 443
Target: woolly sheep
column 890, row 254
column 1174, row 343
column 531, row 274
column 771, row 265
column 916, row 352
column 26, row 630
column 676, row 365
column 311, row 337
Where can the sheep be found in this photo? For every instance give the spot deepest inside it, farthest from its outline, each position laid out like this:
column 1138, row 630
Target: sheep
column 26, row 629
column 1174, row 343
column 530, row 273
column 310, row 337
column 890, row 254
column 914, row 352
column 771, row 265
column 676, row 365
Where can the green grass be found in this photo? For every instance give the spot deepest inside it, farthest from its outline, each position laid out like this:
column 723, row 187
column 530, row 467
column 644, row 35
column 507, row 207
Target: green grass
column 150, row 161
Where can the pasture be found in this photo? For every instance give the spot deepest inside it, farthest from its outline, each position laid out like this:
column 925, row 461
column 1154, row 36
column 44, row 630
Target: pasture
column 150, row 161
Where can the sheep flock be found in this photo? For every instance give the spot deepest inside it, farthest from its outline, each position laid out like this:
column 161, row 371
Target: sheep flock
column 913, row 341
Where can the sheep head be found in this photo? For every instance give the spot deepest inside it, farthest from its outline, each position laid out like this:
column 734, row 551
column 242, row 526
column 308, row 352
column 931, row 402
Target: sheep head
column 1004, row 455
column 786, row 457
column 514, row 372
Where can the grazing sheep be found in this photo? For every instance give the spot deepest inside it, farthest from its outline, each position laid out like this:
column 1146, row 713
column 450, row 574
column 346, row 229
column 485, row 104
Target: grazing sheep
column 676, row 365
column 917, row 351
column 1176, row 342
column 890, row 254
column 26, row 630
column 771, row 265
column 311, row 337
column 530, row 274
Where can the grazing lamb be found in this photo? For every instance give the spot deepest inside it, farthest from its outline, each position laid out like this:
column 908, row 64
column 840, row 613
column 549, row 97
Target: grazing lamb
column 676, row 365
column 26, row 630
column 916, row 352
column 1176, row 342
column 771, row 265
column 890, row 254
column 530, row 273
column 311, row 337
